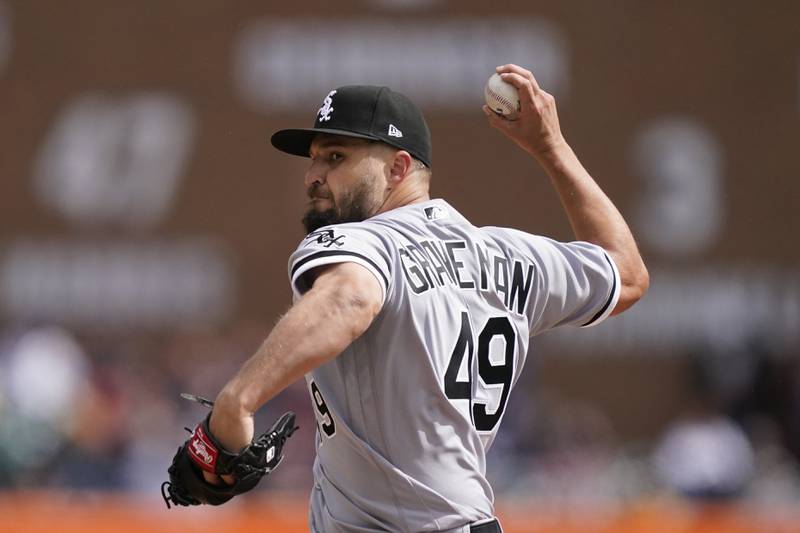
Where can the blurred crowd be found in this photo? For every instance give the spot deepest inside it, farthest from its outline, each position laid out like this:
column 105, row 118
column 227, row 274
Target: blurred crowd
column 105, row 413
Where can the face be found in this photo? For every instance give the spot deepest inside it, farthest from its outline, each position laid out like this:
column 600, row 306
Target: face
column 346, row 181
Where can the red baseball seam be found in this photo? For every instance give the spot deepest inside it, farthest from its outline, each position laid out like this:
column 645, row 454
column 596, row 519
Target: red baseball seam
column 502, row 99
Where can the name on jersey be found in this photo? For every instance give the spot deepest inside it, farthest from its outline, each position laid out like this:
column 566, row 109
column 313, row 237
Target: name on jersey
column 431, row 264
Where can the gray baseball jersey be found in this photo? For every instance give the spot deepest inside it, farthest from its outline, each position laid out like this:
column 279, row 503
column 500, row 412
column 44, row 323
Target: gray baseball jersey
column 407, row 412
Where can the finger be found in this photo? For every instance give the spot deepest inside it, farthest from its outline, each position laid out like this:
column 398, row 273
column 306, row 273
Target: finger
column 524, row 88
column 217, row 481
column 511, row 68
column 547, row 98
column 285, row 423
column 210, row 478
column 495, row 120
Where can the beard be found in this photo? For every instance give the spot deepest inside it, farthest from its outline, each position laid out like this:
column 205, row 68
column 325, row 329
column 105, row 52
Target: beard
column 354, row 206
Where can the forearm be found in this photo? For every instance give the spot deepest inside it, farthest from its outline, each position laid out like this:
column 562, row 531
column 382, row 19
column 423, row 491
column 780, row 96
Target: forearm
column 336, row 311
column 311, row 333
column 593, row 216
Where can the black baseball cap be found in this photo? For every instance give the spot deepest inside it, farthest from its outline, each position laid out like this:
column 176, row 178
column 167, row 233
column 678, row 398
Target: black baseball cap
column 364, row 112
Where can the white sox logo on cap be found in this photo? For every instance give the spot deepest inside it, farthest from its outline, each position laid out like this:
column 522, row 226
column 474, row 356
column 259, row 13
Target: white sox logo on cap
column 327, row 107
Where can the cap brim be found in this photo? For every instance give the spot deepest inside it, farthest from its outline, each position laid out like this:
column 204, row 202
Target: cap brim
column 298, row 141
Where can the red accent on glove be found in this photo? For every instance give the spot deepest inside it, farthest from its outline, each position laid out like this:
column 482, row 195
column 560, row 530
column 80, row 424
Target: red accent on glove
column 202, row 450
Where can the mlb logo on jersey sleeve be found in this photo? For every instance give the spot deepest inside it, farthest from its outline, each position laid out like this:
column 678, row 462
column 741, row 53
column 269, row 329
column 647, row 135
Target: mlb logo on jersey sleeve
column 435, row 213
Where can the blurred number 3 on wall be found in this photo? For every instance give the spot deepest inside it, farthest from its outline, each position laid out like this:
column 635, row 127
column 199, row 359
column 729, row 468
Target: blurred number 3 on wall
column 680, row 210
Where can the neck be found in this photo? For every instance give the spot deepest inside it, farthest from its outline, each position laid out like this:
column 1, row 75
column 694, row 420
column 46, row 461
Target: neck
column 409, row 191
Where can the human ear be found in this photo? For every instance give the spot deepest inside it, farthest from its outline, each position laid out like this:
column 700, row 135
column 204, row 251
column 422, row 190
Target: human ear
column 401, row 166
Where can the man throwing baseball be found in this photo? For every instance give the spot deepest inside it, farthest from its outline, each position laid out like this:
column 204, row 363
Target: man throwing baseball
column 410, row 324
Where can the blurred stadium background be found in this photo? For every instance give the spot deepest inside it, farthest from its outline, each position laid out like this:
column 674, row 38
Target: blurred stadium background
column 145, row 225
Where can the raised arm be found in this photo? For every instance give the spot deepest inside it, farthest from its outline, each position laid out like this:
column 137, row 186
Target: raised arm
column 593, row 216
column 339, row 307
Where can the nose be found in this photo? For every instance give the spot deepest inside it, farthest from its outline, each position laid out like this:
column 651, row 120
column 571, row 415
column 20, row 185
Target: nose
column 314, row 174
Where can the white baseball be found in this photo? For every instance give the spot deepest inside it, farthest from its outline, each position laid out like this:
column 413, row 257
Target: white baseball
column 501, row 97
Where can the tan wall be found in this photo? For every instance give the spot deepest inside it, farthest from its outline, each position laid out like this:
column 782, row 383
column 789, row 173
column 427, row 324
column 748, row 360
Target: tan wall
column 731, row 67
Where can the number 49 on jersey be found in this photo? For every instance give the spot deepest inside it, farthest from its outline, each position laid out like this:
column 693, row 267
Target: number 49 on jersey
column 491, row 377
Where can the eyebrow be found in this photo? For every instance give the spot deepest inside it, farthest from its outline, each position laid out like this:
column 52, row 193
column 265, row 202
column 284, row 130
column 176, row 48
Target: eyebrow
column 341, row 142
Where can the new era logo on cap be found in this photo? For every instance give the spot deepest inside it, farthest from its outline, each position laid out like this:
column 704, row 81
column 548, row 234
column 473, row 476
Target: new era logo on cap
column 364, row 112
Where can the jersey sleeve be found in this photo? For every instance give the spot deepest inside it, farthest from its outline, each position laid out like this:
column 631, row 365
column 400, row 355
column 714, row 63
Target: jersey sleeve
column 577, row 283
column 339, row 244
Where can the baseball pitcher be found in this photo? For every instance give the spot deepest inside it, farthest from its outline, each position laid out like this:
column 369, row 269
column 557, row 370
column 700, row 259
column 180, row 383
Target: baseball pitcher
column 410, row 324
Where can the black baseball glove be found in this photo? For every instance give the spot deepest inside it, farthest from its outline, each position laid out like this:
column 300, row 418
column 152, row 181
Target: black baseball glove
column 202, row 452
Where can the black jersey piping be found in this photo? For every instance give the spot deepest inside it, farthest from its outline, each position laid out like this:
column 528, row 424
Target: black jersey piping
column 332, row 253
column 610, row 296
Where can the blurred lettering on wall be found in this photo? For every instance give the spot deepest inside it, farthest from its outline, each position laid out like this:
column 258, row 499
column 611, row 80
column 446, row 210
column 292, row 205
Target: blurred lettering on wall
column 95, row 285
column 286, row 65
column 721, row 307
